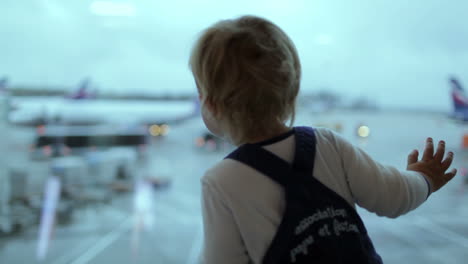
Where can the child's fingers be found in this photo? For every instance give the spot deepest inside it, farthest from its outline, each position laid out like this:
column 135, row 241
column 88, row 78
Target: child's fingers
column 447, row 161
column 413, row 157
column 429, row 150
column 449, row 176
column 439, row 155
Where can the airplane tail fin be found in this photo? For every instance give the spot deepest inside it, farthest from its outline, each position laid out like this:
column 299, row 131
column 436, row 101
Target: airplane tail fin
column 5, row 101
column 460, row 100
column 3, row 86
column 83, row 91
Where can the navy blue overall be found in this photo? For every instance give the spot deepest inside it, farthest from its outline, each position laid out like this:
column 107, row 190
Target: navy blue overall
column 318, row 225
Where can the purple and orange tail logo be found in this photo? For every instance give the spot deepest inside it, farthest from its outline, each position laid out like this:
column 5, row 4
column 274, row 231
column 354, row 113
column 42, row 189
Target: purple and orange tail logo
column 459, row 97
column 83, row 91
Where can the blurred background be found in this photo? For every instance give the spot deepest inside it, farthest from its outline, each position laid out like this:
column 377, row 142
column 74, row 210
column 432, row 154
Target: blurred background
column 103, row 145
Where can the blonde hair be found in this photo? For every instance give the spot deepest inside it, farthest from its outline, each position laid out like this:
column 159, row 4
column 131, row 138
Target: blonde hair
column 249, row 70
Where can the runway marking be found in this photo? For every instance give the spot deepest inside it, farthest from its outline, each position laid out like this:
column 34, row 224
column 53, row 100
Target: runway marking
column 441, row 231
column 104, row 242
column 67, row 258
column 113, row 235
column 193, row 257
column 396, row 228
column 178, row 210
column 81, row 247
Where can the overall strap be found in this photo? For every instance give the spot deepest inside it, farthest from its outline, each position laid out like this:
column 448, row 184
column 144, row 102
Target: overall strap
column 273, row 166
column 263, row 161
column 305, row 151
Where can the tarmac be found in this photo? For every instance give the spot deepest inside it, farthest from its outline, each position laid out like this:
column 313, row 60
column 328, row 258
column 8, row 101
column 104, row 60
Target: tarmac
column 170, row 231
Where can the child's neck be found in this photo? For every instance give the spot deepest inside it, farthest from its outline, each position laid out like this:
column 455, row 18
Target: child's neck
column 281, row 129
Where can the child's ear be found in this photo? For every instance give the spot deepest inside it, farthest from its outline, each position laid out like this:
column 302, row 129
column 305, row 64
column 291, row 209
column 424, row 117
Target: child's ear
column 212, row 107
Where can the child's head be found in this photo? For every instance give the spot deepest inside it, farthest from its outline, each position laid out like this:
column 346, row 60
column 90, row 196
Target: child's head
column 247, row 72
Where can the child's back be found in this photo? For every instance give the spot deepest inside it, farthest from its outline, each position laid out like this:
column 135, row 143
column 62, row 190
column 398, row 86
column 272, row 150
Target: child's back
column 243, row 208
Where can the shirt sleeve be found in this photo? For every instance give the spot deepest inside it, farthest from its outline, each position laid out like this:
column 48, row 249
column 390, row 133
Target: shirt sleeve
column 223, row 242
column 381, row 189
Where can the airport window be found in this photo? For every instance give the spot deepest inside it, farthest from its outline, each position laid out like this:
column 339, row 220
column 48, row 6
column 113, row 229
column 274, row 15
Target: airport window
column 104, row 145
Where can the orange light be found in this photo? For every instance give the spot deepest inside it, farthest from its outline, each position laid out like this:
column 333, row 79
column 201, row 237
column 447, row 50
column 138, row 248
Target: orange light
column 47, row 150
column 41, row 129
column 465, row 141
column 164, row 129
column 155, row 130
column 200, row 142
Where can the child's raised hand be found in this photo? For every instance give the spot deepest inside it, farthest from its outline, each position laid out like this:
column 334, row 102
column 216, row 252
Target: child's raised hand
column 434, row 166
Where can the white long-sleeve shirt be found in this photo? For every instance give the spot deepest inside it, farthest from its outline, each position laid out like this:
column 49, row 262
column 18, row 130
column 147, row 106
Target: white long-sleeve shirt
column 242, row 208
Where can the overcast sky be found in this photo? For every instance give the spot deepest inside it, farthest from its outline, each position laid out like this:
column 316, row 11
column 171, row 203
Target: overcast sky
column 399, row 52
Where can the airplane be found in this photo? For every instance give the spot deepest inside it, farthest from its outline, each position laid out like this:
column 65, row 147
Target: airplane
column 460, row 101
column 84, row 108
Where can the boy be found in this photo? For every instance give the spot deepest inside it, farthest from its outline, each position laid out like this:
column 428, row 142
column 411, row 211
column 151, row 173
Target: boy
column 247, row 73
